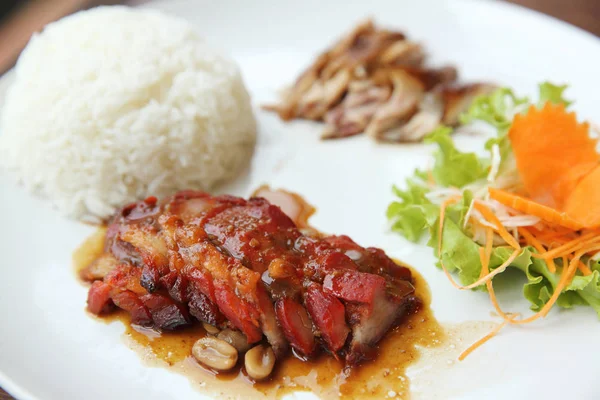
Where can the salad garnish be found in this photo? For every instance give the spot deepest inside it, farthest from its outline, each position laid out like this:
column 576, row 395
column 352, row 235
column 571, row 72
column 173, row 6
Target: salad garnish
column 529, row 203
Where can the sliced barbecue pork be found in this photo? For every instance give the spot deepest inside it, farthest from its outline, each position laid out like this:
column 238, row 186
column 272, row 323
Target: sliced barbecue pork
column 246, row 265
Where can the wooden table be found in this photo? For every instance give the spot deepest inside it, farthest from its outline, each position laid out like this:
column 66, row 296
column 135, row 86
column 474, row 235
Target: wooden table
column 583, row 13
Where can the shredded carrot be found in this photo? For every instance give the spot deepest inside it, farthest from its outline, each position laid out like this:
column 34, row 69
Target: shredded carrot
column 570, row 276
column 553, row 242
column 554, row 238
column 531, row 207
column 573, row 247
column 482, row 256
column 562, row 283
column 566, row 274
column 485, row 256
column 492, row 274
column 430, row 178
column 484, row 339
column 531, row 240
column 481, row 341
column 585, row 270
column 569, row 247
column 553, row 232
column 491, row 217
column 571, row 251
column 489, row 244
column 483, row 278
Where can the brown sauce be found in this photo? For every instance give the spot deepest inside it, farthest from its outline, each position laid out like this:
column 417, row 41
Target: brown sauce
column 89, row 250
column 385, row 377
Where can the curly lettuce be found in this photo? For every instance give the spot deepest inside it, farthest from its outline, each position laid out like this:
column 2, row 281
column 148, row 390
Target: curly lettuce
column 454, row 168
column 413, row 214
column 552, row 93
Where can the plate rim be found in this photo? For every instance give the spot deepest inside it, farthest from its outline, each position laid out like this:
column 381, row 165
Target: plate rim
column 21, row 392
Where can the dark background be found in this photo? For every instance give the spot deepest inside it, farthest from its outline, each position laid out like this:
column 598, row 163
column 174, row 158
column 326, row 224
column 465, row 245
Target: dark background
column 18, row 18
column 7, row 5
column 582, row 13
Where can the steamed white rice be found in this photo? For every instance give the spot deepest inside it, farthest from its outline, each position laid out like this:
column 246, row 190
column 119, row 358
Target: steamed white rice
column 114, row 104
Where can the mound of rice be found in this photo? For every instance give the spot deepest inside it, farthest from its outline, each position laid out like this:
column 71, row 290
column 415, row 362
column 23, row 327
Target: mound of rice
column 114, row 104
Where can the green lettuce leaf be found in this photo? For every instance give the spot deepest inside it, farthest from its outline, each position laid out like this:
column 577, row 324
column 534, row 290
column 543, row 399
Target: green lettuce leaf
column 496, row 108
column 583, row 290
column 460, row 254
column 414, row 213
column 504, row 147
column 588, row 289
column 463, row 207
column 552, row 93
column 540, row 281
column 452, row 167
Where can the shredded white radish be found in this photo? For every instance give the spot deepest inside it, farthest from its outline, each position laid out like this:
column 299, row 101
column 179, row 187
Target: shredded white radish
column 442, row 193
column 519, row 220
column 468, row 214
column 508, row 179
column 479, row 235
column 495, row 161
column 481, row 220
column 515, row 233
column 498, row 241
column 505, row 176
column 499, row 209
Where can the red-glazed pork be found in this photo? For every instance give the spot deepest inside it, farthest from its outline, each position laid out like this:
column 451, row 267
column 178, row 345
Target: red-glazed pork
column 246, row 265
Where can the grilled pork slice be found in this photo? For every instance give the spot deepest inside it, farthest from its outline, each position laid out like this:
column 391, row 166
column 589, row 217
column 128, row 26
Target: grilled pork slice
column 245, row 265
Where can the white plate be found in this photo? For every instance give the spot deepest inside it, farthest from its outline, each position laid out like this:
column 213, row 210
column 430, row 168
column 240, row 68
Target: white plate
column 50, row 349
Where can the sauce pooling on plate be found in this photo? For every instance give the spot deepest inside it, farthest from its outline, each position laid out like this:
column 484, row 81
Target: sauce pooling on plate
column 323, row 374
